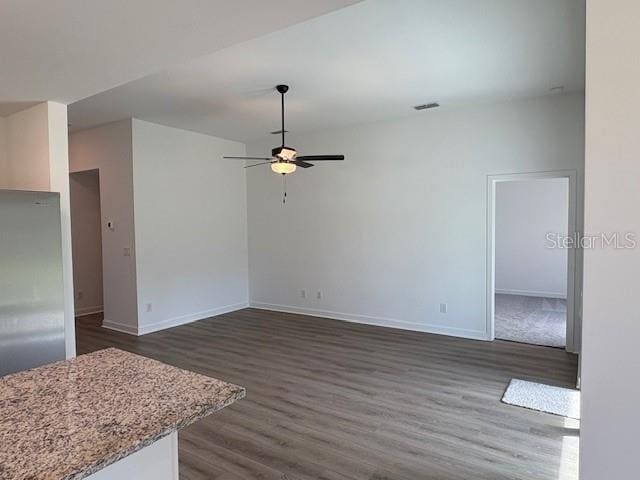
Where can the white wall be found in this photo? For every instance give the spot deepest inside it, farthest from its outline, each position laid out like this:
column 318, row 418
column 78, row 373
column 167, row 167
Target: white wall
column 36, row 158
column 86, row 230
column 4, row 163
column 526, row 211
column 109, row 149
column 58, row 132
column 190, row 219
column 400, row 226
column 27, row 146
column 180, row 210
column 610, row 363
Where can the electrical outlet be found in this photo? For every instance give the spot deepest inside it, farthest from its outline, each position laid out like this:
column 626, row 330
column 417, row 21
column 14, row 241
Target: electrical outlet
column 319, row 295
column 303, row 293
column 443, row 308
column 126, row 251
column 80, row 294
column 149, row 307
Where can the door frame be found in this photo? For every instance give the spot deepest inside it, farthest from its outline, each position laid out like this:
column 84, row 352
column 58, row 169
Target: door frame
column 572, row 311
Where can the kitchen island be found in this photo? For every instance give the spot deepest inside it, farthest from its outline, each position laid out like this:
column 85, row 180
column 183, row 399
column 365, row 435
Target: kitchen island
column 101, row 416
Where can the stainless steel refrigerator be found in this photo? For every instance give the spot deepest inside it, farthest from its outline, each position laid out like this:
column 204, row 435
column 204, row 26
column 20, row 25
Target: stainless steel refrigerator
column 31, row 284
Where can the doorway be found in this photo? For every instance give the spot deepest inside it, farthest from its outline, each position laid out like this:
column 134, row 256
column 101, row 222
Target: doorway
column 86, row 234
column 531, row 268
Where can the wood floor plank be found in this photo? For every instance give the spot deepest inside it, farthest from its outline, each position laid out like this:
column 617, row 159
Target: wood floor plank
column 330, row 400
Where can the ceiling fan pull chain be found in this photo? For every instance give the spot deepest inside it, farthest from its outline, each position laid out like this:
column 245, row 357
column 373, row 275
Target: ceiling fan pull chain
column 284, row 189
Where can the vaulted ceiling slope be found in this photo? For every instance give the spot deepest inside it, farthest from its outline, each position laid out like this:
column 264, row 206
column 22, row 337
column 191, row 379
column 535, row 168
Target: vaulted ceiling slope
column 370, row 61
column 66, row 50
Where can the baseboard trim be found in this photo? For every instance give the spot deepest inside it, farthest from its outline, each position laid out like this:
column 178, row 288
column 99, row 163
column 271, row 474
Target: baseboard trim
column 531, row 293
column 119, row 327
column 377, row 321
column 81, row 312
column 193, row 317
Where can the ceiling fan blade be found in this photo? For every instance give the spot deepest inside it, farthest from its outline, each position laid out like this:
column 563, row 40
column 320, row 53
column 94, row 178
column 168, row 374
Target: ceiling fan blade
column 320, row 158
column 302, row 164
column 249, row 158
column 256, row 164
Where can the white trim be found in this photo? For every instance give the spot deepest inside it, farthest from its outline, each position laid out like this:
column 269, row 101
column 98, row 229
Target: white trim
column 81, row 312
column 119, row 327
column 192, row 317
column 171, row 322
column 531, row 293
column 492, row 180
column 377, row 321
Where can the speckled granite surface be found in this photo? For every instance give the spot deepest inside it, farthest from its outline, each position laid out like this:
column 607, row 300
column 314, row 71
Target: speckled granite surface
column 70, row 419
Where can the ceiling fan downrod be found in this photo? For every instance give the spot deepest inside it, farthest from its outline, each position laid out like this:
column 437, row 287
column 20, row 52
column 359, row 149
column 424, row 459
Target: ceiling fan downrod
column 282, row 89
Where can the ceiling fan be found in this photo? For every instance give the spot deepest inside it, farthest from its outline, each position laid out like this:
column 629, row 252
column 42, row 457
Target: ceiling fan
column 285, row 159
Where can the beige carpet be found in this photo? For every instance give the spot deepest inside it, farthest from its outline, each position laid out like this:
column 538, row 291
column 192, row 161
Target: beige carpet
column 535, row 320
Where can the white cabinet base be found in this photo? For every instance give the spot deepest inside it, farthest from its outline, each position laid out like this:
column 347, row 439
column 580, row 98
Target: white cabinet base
column 158, row 461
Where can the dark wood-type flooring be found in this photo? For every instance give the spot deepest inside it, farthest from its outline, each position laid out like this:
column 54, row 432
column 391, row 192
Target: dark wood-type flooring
column 330, row 400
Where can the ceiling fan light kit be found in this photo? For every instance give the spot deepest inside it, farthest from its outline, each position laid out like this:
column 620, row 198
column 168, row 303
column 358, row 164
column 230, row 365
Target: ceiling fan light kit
column 283, row 167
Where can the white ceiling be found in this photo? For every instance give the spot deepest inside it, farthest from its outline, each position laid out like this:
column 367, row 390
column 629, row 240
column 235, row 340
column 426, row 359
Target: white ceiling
column 367, row 62
column 66, row 50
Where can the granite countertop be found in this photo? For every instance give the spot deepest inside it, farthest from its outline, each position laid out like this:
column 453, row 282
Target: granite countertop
column 70, row 419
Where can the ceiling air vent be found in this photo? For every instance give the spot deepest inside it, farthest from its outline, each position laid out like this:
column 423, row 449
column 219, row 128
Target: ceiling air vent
column 427, row 106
